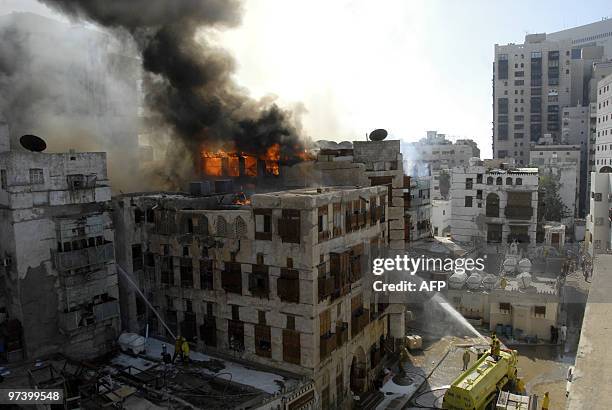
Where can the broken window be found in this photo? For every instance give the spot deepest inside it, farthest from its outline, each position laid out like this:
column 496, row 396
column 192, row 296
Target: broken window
column 138, row 216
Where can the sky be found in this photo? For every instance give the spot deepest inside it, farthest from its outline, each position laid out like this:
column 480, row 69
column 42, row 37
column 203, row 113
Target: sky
column 404, row 65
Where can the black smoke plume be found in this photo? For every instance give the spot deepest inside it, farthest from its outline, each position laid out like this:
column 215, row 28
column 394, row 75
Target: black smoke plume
column 187, row 81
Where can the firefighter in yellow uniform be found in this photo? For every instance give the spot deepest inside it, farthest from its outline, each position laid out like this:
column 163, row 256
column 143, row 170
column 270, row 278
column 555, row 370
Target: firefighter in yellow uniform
column 178, row 343
column 546, row 402
column 185, row 351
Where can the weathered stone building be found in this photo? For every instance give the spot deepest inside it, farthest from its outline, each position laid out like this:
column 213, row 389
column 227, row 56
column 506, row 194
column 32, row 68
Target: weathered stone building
column 278, row 282
column 494, row 205
column 56, row 248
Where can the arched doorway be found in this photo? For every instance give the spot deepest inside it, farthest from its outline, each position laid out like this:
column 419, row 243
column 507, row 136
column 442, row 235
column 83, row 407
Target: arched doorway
column 358, row 372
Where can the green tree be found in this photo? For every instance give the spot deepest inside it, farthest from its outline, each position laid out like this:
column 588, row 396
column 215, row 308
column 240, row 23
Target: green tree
column 550, row 204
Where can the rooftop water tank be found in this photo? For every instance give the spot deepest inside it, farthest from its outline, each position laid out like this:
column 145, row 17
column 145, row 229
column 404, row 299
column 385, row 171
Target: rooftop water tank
column 474, row 281
column 490, row 281
column 457, row 280
column 524, row 280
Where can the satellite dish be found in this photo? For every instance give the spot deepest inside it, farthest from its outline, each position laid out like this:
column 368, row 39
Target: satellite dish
column 378, row 135
column 33, row 143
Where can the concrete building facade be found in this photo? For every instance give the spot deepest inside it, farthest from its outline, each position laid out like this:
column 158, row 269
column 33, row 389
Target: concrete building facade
column 435, row 152
column 278, row 282
column 60, row 285
column 597, row 237
column 563, row 163
column 528, row 311
column 441, row 216
column 494, row 205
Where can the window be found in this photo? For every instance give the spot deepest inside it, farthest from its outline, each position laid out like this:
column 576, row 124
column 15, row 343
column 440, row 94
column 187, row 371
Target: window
column 469, row 183
column 597, row 197
column 489, row 180
column 3, row 182
column 290, row 322
column 505, row 308
column 519, row 181
column 263, row 224
column 539, row 311
column 36, row 176
column 498, row 181
column 468, row 201
column 479, row 178
column 508, row 181
column 235, row 312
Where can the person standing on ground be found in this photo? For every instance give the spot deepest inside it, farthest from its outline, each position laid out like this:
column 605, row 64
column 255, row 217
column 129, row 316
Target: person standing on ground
column 185, row 351
column 466, row 359
column 563, row 337
column 546, row 402
column 177, row 347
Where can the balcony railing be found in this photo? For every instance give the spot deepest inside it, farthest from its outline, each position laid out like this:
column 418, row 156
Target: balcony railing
column 327, row 345
column 518, row 212
column 82, row 258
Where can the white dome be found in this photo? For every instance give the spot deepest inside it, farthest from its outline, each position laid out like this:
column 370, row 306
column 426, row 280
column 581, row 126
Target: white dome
column 524, row 280
column 524, row 265
column 457, row 280
column 490, row 281
column 510, row 264
column 474, row 281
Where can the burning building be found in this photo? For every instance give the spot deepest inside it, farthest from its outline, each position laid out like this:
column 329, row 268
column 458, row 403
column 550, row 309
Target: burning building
column 278, row 281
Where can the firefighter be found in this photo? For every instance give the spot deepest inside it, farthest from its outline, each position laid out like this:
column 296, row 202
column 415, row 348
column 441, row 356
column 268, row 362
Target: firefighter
column 185, row 351
column 178, row 343
column 466, row 359
column 546, row 402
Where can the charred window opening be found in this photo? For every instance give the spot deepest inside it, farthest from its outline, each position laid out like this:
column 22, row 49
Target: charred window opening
column 259, row 281
column 186, row 270
column 137, row 257
column 206, row 274
column 289, row 226
column 167, row 270
column 231, row 277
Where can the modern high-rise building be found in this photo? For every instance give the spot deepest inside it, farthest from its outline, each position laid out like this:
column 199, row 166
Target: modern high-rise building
column 533, row 82
column 597, row 237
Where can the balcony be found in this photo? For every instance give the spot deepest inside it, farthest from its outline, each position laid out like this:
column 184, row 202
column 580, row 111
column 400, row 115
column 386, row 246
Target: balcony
column 341, row 333
column 326, row 287
column 327, row 345
column 359, row 321
column 231, row 281
column 81, row 258
column 518, row 212
column 288, row 289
